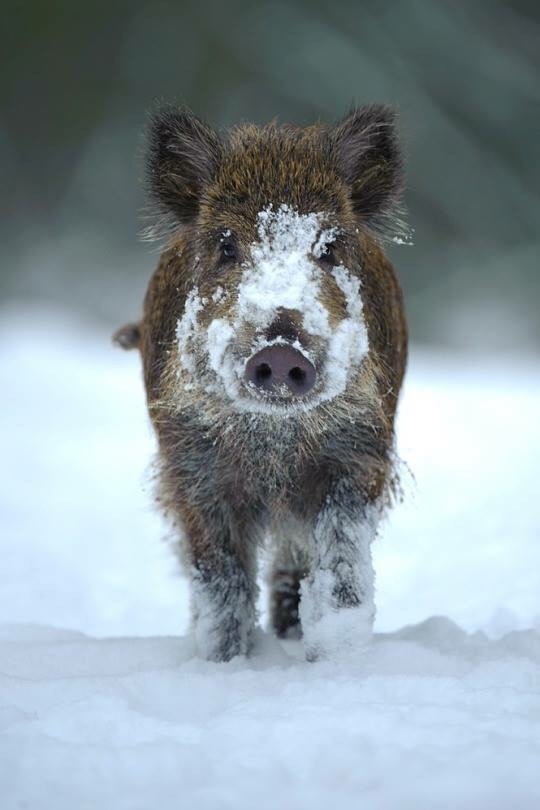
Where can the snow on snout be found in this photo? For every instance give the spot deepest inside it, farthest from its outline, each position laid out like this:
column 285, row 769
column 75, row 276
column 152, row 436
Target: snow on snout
column 282, row 274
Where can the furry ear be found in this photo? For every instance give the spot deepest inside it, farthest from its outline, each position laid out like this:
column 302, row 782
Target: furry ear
column 368, row 157
column 183, row 155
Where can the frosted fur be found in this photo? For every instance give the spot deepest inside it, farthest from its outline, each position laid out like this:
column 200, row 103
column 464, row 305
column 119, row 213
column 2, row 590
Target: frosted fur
column 342, row 541
column 220, row 334
column 282, row 274
column 186, row 329
column 224, row 614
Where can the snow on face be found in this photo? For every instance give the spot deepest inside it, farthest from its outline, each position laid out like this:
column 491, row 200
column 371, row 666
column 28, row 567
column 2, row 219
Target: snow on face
column 282, row 274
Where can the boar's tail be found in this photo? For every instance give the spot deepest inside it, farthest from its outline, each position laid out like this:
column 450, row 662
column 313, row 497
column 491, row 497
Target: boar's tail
column 128, row 336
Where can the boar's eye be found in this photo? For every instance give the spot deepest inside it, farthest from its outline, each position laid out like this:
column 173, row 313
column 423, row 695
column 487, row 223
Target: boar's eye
column 327, row 254
column 228, row 251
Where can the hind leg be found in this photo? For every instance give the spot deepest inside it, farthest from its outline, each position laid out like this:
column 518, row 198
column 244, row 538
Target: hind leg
column 285, row 602
column 289, row 568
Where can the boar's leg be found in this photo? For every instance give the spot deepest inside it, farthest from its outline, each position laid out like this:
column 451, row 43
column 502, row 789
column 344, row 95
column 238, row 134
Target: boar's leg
column 285, row 602
column 336, row 605
column 288, row 570
column 224, row 591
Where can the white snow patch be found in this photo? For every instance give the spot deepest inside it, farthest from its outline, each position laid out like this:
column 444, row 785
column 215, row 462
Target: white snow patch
column 218, row 295
column 220, row 333
column 328, row 631
column 405, row 238
column 281, row 273
column 186, row 328
column 397, row 240
column 349, row 341
column 425, row 717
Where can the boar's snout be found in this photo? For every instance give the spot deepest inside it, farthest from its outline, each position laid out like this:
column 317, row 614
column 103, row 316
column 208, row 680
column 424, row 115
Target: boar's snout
column 280, row 365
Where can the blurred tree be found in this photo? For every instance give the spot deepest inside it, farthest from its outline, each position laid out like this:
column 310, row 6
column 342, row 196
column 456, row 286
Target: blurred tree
column 76, row 80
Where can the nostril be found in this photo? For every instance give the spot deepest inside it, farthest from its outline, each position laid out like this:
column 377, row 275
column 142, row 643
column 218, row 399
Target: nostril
column 263, row 372
column 297, row 376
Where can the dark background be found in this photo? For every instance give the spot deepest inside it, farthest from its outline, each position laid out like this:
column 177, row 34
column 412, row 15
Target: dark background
column 77, row 79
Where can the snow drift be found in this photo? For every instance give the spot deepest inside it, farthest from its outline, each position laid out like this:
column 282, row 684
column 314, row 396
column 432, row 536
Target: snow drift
column 431, row 715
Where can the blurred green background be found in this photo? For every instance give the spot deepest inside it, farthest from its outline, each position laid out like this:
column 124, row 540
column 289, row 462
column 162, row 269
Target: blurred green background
column 77, row 79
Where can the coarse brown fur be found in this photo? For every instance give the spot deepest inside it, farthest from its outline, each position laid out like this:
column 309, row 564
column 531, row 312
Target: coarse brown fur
column 228, row 477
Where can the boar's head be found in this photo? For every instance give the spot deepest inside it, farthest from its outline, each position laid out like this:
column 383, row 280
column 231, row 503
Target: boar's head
column 268, row 290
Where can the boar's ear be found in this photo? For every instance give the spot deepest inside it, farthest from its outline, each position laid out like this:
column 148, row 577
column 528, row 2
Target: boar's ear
column 368, row 157
column 183, row 155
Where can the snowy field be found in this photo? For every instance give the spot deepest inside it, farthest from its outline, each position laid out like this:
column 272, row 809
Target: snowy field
column 102, row 701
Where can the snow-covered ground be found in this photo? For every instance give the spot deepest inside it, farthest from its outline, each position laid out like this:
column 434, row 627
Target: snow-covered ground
column 102, row 702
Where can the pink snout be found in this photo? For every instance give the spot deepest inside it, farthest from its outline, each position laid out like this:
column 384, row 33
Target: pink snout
column 281, row 365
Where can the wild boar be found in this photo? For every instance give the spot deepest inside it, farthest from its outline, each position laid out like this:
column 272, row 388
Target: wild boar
column 274, row 344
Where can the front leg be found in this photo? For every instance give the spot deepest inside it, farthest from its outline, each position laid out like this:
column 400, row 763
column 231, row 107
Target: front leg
column 224, row 587
column 336, row 606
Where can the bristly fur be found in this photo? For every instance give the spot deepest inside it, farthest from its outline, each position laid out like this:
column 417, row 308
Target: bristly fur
column 314, row 475
column 184, row 155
